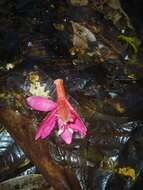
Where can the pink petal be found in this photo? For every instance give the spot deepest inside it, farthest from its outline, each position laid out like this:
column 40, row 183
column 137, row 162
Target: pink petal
column 75, row 123
column 61, row 126
column 73, row 111
column 46, row 126
column 78, row 126
column 60, row 123
column 40, row 103
column 67, row 136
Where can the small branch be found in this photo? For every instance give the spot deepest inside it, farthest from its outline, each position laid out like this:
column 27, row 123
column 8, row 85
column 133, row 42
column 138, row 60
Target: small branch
column 21, row 128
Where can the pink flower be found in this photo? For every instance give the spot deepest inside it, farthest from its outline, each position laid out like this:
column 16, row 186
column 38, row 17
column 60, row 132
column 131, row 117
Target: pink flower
column 61, row 113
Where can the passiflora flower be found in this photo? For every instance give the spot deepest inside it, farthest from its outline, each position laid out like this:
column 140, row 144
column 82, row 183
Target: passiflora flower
column 62, row 115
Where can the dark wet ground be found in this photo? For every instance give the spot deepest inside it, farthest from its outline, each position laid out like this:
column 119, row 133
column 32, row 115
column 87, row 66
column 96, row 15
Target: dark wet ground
column 77, row 41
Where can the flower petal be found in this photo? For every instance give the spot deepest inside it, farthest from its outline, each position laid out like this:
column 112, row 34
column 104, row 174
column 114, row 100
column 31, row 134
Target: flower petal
column 40, row 103
column 61, row 126
column 46, row 126
column 78, row 126
column 67, row 136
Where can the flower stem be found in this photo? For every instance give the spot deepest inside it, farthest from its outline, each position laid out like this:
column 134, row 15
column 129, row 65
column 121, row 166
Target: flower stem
column 60, row 89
